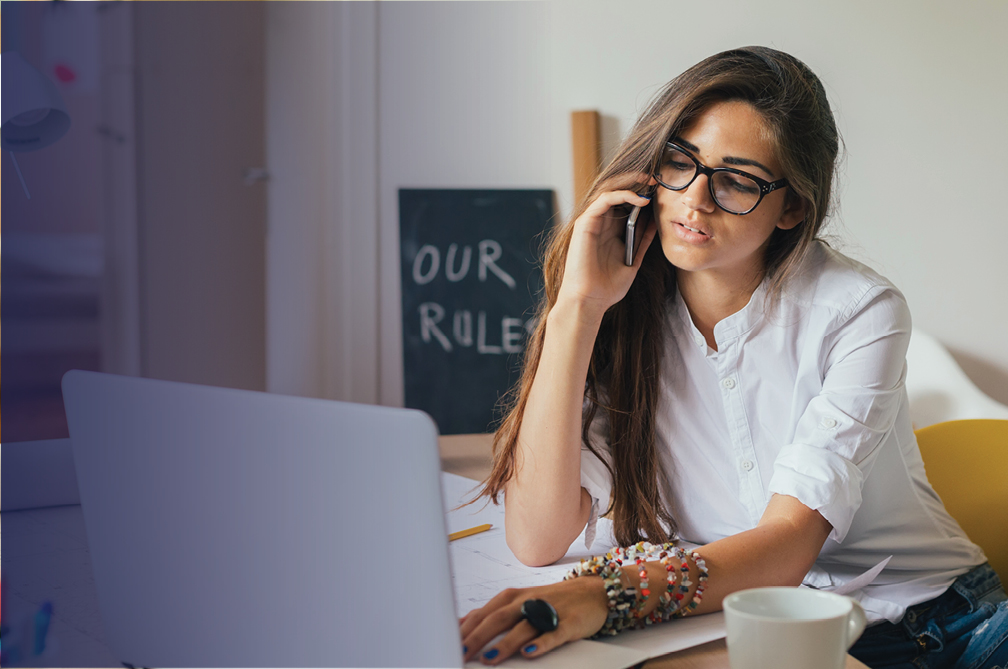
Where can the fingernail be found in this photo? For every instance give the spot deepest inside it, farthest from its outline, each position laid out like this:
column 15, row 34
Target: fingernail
column 531, row 648
column 465, row 649
column 490, row 654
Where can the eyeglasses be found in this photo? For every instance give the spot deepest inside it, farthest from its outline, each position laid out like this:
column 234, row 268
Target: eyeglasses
column 735, row 191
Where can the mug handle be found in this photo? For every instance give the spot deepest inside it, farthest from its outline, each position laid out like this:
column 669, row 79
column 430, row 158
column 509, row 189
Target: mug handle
column 856, row 621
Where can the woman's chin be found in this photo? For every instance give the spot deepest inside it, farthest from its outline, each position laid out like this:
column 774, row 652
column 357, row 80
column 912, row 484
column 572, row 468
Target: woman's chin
column 687, row 260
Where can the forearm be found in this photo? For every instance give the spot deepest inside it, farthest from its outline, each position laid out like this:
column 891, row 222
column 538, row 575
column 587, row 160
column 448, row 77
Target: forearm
column 545, row 507
column 778, row 551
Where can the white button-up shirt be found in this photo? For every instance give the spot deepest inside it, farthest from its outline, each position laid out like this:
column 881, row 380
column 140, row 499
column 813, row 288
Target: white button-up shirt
column 805, row 400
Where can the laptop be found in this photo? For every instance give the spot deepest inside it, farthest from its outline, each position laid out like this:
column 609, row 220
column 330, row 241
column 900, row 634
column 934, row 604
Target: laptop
column 237, row 528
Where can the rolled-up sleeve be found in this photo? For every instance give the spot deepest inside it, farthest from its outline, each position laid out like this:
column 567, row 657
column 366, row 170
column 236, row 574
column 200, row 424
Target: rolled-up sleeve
column 595, row 476
column 838, row 435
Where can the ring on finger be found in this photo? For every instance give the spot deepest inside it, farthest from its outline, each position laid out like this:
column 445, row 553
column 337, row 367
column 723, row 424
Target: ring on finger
column 540, row 614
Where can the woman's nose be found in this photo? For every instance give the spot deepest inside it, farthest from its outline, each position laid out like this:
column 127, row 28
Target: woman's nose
column 697, row 195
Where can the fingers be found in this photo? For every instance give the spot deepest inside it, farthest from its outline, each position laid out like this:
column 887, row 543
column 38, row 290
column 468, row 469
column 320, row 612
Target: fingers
column 631, row 188
column 520, row 637
column 489, row 627
column 614, row 198
column 472, row 619
column 545, row 642
column 526, row 640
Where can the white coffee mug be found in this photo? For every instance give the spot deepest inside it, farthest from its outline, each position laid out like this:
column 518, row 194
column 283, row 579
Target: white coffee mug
column 791, row 628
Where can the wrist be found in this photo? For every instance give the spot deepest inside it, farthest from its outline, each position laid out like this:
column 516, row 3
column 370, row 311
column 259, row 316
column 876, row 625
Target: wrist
column 672, row 600
column 575, row 311
column 619, row 599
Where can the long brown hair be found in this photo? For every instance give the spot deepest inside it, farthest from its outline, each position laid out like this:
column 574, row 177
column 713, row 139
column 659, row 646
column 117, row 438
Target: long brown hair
column 627, row 357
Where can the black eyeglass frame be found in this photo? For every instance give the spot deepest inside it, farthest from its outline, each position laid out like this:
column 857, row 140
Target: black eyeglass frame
column 764, row 185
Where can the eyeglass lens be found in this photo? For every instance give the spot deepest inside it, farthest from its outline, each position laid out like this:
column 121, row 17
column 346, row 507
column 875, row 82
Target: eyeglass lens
column 733, row 192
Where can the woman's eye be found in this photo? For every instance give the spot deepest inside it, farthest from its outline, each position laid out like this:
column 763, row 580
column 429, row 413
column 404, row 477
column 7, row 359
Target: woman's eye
column 679, row 166
column 741, row 184
column 677, row 161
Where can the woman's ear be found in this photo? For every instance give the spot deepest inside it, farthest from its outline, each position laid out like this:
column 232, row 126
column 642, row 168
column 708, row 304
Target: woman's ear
column 794, row 212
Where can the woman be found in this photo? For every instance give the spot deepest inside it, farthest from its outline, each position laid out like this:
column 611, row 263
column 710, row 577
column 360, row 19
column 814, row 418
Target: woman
column 739, row 387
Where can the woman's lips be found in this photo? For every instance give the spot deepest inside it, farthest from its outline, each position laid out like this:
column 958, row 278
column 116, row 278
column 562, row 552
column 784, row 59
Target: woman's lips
column 690, row 233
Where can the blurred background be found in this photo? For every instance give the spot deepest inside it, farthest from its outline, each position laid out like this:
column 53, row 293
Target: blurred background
column 223, row 209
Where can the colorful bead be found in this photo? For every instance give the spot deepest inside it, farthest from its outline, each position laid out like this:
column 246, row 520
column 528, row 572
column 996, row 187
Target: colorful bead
column 701, row 586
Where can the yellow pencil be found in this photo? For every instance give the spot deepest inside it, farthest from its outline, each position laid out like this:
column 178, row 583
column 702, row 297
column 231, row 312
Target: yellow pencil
column 468, row 533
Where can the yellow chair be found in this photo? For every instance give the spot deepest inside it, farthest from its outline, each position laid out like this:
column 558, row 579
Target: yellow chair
column 967, row 464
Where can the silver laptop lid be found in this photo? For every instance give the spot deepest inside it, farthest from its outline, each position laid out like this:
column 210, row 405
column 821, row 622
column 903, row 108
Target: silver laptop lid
column 236, row 528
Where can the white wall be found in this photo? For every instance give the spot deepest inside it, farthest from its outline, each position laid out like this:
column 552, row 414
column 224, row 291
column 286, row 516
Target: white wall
column 322, row 244
column 480, row 95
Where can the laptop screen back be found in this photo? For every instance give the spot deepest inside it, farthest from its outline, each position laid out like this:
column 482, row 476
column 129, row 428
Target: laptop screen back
column 235, row 528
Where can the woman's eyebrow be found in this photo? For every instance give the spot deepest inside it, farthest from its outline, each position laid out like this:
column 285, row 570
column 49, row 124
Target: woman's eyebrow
column 686, row 145
column 728, row 160
column 731, row 160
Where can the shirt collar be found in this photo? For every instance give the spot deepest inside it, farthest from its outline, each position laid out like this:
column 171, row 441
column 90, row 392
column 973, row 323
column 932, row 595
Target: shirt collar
column 732, row 326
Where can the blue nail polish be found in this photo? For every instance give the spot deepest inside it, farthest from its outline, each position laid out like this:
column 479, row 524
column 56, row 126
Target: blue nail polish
column 490, row 654
column 465, row 649
column 531, row 648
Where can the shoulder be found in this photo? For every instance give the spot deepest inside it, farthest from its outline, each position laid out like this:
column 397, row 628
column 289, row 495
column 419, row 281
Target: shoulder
column 834, row 285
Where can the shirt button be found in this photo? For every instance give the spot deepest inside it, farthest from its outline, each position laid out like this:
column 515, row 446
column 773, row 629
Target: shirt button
column 747, row 465
column 700, row 341
column 728, row 383
column 829, row 423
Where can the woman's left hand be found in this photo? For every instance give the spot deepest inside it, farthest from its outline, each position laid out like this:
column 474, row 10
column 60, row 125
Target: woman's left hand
column 581, row 607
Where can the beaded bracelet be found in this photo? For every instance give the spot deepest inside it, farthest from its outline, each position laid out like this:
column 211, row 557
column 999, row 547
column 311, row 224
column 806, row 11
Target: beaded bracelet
column 667, row 604
column 701, row 586
column 625, row 611
column 643, row 588
column 641, row 553
column 659, row 613
column 681, row 608
column 620, row 599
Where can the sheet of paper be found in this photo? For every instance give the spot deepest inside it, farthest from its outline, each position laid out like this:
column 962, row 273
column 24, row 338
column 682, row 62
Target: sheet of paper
column 861, row 581
column 482, row 564
column 674, row 635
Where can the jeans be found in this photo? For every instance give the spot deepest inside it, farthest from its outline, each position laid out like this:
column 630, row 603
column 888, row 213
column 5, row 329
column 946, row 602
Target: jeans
column 966, row 627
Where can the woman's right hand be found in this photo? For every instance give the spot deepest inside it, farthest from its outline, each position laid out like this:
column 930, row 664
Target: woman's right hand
column 595, row 275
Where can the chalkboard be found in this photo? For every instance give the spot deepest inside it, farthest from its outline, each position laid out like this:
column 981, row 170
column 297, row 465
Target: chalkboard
column 470, row 279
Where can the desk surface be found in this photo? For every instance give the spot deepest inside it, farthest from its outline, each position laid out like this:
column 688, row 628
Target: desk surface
column 713, row 655
column 58, row 546
column 467, row 455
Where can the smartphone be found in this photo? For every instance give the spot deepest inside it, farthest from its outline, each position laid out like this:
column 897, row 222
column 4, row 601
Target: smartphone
column 632, row 235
